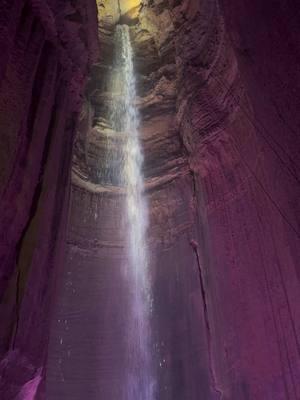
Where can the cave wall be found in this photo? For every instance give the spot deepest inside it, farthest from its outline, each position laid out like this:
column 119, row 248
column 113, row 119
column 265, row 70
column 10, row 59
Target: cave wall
column 218, row 93
column 240, row 131
column 47, row 48
column 217, row 87
column 248, row 183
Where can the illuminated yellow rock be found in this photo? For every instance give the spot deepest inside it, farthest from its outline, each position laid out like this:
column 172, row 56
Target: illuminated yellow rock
column 130, row 7
column 110, row 11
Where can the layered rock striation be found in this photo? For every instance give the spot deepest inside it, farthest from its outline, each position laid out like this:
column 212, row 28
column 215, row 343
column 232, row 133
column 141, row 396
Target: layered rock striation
column 218, row 87
column 218, row 105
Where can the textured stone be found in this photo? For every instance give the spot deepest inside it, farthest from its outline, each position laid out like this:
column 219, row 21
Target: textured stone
column 44, row 64
column 218, row 104
column 218, row 86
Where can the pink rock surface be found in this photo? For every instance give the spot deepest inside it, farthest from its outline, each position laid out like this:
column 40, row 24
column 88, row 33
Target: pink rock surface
column 219, row 96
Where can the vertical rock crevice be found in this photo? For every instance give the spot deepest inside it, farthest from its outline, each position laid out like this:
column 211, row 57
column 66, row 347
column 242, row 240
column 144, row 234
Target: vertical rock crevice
column 195, row 248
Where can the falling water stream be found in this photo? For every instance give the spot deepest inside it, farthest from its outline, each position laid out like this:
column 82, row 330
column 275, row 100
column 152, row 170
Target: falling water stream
column 130, row 362
column 125, row 120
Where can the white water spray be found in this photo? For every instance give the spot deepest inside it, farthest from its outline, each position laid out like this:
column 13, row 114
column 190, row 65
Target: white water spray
column 125, row 118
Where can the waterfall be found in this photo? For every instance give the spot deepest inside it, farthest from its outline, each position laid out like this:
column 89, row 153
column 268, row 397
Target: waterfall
column 125, row 120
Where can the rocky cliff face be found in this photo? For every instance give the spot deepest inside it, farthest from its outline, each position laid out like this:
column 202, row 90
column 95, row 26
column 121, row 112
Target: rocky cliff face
column 219, row 133
column 218, row 90
column 46, row 50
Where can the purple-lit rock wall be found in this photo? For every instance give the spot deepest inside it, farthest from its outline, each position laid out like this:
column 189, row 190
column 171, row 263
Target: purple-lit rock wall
column 218, row 94
column 248, row 183
column 218, row 91
column 46, row 51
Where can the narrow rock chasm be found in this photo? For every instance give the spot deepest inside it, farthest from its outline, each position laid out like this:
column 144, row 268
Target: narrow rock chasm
column 217, row 87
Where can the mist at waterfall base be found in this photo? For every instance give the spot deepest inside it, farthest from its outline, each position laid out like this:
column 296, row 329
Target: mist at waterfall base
column 126, row 168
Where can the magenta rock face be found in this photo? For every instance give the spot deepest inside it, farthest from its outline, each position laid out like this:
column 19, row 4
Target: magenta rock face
column 218, row 88
column 29, row 390
column 43, row 68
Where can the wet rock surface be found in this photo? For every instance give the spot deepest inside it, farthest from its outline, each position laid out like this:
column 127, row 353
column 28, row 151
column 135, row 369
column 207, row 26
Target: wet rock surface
column 221, row 177
column 217, row 92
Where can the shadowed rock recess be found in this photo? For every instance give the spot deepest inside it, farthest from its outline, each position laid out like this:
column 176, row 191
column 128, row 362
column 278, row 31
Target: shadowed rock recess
column 218, row 88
